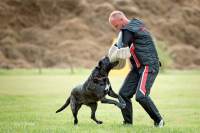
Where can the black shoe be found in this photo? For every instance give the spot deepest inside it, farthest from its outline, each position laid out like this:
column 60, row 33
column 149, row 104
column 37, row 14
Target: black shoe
column 160, row 124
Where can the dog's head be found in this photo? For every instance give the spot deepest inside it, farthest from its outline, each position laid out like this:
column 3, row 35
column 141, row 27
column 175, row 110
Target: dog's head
column 103, row 67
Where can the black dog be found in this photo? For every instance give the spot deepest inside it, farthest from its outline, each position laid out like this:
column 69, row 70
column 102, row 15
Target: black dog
column 94, row 89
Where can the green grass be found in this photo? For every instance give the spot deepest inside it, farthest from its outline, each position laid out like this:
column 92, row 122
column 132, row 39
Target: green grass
column 28, row 103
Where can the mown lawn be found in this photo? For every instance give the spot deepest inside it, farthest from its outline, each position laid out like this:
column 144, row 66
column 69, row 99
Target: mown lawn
column 28, row 103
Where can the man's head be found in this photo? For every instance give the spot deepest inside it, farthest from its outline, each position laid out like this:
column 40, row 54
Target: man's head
column 118, row 20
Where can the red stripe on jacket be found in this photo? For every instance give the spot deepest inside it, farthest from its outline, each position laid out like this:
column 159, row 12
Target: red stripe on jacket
column 132, row 39
column 134, row 56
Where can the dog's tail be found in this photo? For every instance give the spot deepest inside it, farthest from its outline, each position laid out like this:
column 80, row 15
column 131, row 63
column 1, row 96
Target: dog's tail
column 65, row 105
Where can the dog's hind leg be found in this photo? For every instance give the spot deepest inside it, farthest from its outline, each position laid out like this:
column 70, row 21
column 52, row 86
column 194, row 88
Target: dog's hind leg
column 93, row 106
column 75, row 106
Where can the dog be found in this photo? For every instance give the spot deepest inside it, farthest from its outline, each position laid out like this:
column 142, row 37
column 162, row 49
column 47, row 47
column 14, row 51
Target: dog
column 94, row 89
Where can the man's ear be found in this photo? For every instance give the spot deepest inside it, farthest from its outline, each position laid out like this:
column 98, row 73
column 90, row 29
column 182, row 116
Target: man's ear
column 98, row 65
column 122, row 20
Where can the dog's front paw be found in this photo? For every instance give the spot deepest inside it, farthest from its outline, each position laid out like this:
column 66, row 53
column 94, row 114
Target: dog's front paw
column 122, row 102
column 99, row 122
column 122, row 106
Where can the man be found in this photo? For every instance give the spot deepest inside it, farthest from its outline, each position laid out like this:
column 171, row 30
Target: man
column 134, row 38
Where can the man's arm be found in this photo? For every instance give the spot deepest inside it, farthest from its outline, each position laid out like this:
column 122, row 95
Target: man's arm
column 126, row 37
column 120, row 51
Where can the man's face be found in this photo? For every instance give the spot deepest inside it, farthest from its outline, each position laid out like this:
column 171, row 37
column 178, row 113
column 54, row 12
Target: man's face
column 117, row 23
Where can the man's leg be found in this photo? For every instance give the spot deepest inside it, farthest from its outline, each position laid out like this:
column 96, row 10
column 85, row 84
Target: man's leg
column 127, row 91
column 147, row 78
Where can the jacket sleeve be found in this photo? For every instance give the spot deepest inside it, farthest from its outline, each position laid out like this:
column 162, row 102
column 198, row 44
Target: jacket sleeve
column 127, row 36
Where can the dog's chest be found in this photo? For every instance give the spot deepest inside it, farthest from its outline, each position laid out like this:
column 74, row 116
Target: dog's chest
column 107, row 87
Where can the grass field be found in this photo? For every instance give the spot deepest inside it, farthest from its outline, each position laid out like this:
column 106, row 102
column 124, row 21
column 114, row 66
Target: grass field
column 28, row 103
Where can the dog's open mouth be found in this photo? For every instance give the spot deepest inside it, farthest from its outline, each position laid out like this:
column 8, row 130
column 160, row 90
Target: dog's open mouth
column 111, row 66
column 115, row 63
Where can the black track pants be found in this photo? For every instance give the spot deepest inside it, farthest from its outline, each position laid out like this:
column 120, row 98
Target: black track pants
column 139, row 81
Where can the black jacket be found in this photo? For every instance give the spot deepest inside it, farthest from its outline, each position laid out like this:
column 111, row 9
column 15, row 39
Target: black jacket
column 140, row 42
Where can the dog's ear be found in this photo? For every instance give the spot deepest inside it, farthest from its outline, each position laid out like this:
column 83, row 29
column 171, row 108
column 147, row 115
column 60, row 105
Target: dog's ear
column 98, row 65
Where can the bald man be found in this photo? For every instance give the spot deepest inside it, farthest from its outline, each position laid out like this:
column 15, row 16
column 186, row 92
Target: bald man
column 134, row 38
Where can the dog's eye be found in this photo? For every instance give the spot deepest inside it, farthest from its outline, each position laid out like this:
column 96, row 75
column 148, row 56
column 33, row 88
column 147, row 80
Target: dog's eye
column 104, row 80
column 102, row 73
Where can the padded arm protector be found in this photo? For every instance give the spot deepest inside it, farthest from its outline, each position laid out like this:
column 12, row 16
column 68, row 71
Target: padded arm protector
column 119, row 52
column 116, row 54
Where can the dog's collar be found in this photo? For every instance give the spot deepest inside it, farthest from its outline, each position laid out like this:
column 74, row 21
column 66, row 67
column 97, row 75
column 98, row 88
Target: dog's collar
column 98, row 78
